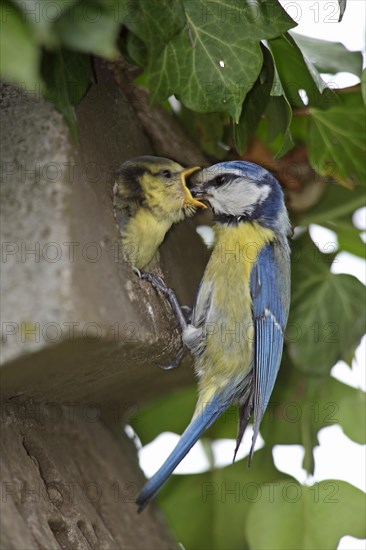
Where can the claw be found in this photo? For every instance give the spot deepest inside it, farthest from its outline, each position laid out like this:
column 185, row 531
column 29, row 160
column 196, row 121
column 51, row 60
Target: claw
column 167, row 367
column 159, row 284
column 175, row 363
column 137, row 272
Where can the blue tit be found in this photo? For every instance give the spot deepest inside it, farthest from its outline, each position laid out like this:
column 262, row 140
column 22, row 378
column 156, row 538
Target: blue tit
column 237, row 327
column 153, row 193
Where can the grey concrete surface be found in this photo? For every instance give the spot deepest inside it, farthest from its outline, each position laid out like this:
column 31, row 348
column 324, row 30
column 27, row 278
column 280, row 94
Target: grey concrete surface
column 78, row 328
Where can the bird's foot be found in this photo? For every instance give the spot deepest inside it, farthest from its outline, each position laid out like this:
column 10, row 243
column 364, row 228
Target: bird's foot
column 176, row 361
column 138, row 272
column 159, row 284
column 187, row 312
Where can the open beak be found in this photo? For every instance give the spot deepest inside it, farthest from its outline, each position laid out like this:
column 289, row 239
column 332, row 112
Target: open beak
column 189, row 199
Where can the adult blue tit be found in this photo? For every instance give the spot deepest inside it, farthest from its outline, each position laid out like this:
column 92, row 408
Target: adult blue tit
column 152, row 191
column 237, row 327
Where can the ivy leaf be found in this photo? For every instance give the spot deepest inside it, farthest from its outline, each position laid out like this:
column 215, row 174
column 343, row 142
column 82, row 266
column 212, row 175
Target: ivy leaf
column 349, row 238
column 327, row 311
column 307, row 517
column 67, row 76
column 155, row 22
column 297, row 73
column 159, row 417
column 255, row 103
column 19, row 54
column 342, row 8
column 301, row 405
column 41, row 16
column 352, row 416
column 337, row 140
column 206, row 129
column 91, row 28
column 348, row 407
column 136, row 50
column 156, row 418
column 334, row 211
column 225, row 494
column 335, row 204
column 329, row 57
column 291, row 416
column 279, row 116
column 215, row 60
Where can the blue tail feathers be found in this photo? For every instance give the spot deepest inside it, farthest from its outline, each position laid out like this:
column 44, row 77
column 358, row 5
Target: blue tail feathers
column 211, row 411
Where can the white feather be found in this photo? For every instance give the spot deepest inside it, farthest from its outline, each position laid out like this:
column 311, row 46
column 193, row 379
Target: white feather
column 237, row 196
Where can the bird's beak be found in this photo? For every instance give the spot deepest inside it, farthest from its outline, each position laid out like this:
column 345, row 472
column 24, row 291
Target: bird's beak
column 198, row 191
column 189, row 199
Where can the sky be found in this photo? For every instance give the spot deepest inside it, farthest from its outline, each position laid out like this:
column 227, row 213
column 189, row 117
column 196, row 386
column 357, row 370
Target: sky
column 337, row 456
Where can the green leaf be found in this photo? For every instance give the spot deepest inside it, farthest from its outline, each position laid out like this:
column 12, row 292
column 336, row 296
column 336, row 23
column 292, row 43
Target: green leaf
column 352, row 416
column 349, row 238
column 255, row 103
column 363, row 85
column 67, row 76
column 301, row 405
column 19, row 54
column 327, row 311
column 91, row 28
column 297, row 73
column 215, row 60
column 279, row 115
column 295, row 413
column 161, row 416
column 41, row 17
column 342, row 8
column 334, row 211
column 219, row 502
column 307, row 518
column 136, row 50
column 347, row 405
column 206, row 129
column 155, row 22
column 329, row 57
column 156, row 418
column 337, row 140
column 335, row 204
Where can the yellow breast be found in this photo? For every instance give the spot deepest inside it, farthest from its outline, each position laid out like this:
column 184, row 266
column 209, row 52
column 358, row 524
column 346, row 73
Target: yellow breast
column 142, row 237
column 229, row 330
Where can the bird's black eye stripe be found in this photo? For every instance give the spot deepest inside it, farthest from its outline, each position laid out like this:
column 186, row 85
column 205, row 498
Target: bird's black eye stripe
column 165, row 174
column 219, row 180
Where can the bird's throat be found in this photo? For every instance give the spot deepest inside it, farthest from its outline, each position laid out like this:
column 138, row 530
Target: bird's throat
column 142, row 236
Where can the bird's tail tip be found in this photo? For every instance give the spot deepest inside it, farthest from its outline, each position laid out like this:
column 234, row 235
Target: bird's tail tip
column 193, row 432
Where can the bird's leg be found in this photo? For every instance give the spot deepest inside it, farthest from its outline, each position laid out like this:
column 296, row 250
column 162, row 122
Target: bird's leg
column 187, row 312
column 158, row 283
column 175, row 363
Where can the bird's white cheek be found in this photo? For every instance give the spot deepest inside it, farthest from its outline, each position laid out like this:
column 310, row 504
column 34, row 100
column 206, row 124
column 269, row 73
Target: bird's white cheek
column 237, row 198
column 216, row 205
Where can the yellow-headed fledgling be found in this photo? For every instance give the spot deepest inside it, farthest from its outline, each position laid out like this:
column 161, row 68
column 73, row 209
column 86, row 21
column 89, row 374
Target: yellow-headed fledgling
column 152, row 191
column 236, row 331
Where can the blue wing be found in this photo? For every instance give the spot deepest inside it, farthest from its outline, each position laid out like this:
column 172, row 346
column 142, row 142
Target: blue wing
column 270, row 291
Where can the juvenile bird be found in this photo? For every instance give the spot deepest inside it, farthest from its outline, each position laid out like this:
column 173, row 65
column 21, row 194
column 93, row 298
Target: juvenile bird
column 237, row 328
column 153, row 193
